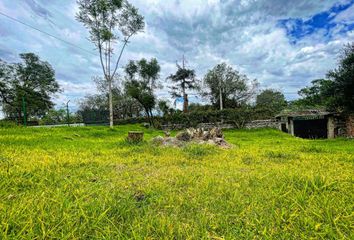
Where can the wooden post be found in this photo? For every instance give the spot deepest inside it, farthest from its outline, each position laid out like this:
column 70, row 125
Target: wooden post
column 135, row 136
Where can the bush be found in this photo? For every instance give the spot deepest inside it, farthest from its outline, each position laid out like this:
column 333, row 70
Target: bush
column 130, row 121
column 238, row 117
column 7, row 124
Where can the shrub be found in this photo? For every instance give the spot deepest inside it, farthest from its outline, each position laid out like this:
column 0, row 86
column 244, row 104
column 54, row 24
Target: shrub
column 7, row 124
column 238, row 117
column 130, row 121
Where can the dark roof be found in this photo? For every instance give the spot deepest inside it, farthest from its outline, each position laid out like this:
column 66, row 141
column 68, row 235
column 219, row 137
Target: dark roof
column 305, row 113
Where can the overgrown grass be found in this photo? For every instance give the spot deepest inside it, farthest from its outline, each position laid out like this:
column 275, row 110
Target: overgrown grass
column 88, row 183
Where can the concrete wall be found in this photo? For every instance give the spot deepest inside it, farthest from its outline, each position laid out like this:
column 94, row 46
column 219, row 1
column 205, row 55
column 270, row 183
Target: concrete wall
column 291, row 127
column 337, row 126
column 330, row 127
column 350, row 126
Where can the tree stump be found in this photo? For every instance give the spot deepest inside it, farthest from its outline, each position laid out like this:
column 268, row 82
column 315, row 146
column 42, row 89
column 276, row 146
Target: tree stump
column 135, row 136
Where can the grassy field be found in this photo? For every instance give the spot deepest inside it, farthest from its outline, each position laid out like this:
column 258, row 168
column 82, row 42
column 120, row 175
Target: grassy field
column 88, row 183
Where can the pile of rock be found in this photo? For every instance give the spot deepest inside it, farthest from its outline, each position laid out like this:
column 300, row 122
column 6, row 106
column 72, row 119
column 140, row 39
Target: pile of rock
column 213, row 136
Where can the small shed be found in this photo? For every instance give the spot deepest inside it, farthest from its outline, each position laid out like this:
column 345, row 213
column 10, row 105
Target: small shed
column 313, row 124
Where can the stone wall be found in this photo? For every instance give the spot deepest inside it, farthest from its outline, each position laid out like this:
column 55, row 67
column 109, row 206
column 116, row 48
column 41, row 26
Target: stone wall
column 200, row 125
column 250, row 125
column 219, row 125
column 263, row 124
column 173, row 127
column 340, row 127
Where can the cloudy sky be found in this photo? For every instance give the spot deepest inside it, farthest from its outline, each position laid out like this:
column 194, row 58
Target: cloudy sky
column 284, row 44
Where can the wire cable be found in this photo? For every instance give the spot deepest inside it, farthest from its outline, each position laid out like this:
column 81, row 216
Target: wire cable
column 41, row 31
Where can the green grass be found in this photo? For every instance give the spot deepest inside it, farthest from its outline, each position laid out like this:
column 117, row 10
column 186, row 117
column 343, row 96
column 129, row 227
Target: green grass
column 88, row 183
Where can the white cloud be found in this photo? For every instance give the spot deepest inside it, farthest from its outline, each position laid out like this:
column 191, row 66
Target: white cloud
column 244, row 34
column 346, row 16
column 70, row 35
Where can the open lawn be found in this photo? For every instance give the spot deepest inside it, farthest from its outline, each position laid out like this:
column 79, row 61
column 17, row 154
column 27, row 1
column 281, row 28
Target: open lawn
column 88, row 183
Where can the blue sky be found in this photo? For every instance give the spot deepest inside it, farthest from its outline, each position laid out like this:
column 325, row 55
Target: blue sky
column 284, row 44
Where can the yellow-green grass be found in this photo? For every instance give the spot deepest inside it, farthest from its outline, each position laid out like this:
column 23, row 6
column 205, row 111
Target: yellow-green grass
column 88, row 183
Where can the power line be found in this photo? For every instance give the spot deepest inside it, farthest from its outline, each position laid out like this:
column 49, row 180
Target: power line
column 41, row 31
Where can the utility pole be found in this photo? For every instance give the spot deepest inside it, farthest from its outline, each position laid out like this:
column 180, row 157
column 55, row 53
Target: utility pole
column 24, row 111
column 67, row 113
column 220, row 93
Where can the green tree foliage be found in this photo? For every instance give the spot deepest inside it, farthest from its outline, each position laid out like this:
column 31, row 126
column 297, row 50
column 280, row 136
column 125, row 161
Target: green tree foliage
column 108, row 22
column 141, row 77
column 164, row 108
column 343, row 80
column 54, row 117
column 318, row 95
column 271, row 101
column 335, row 93
column 143, row 95
column 227, row 88
column 239, row 117
column 183, row 80
column 197, row 107
column 94, row 107
column 59, row 117
column 32, row 80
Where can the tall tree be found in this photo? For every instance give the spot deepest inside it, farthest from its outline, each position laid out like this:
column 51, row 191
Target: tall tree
column 318, row 95
column 227, row 88
column 31, row 81
column 343, row 80
column 271, row 101
column 110, row 21
column 184, row 79
column 141, row 77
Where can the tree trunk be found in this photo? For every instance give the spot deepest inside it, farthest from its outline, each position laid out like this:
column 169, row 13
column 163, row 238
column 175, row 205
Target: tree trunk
column 148, row 116
column 185, row 103
column 135, row 136
column 221, row 103
column 19, row 121
column 152, row 119
column 110, row 102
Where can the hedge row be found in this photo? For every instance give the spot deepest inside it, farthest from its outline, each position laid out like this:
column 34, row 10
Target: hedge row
column 237, row 117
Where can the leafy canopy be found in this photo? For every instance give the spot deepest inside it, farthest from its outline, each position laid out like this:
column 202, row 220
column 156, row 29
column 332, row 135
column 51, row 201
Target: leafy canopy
column 318, row 95
column 236, row 88
column 271, row 101
column 32, row 79
column 108, row 22
column 335, row 93
column 343, row 80
column 141, row 77
column 184, row 79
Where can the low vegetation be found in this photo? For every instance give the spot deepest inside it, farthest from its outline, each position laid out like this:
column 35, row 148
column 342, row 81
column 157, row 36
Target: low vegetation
column 89, row 183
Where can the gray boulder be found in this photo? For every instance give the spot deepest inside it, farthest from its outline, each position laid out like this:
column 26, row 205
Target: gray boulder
column 184, row 136
column 158, row 140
